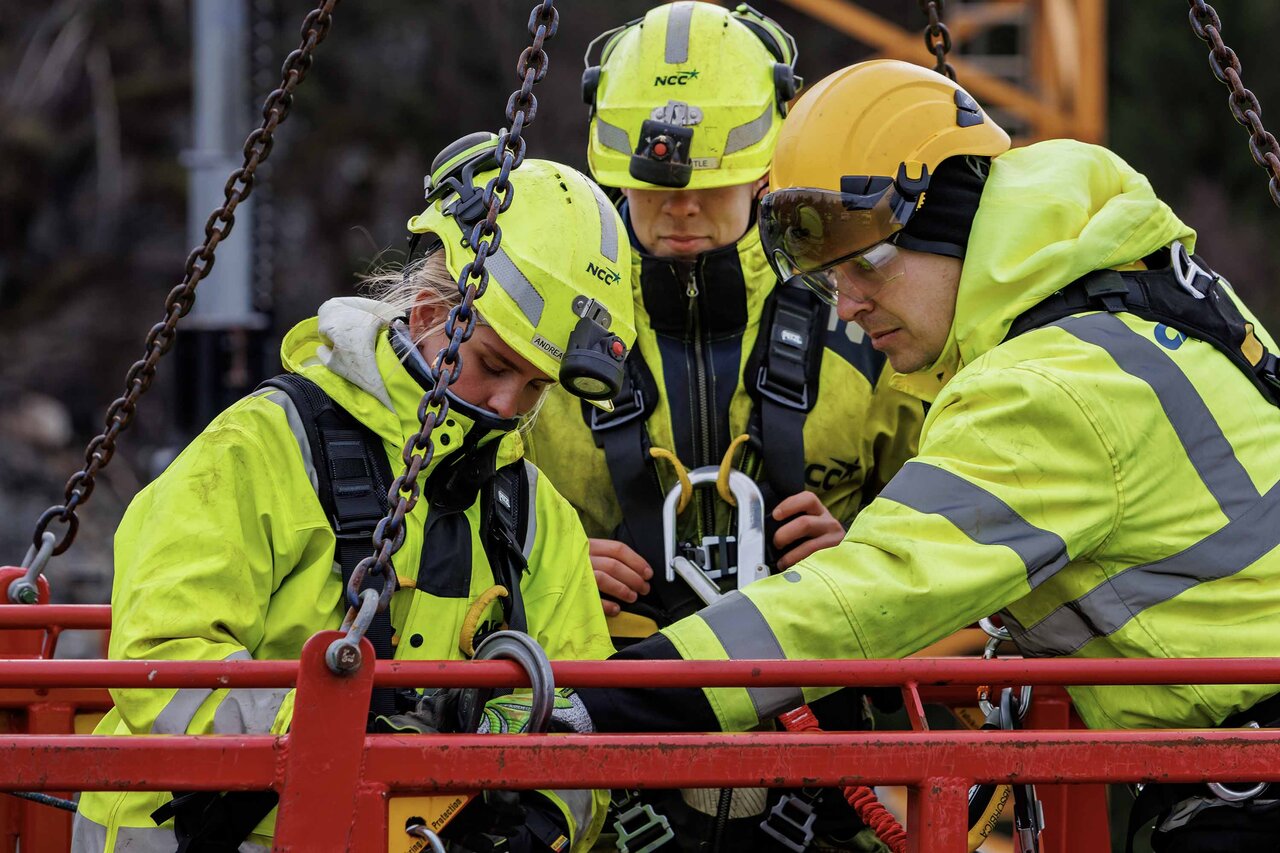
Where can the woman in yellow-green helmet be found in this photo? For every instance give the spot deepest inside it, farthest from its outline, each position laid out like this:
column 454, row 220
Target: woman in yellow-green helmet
column 231, row 553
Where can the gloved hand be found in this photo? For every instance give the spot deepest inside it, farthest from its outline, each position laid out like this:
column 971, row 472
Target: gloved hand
column 435, row 713
column 510, row 714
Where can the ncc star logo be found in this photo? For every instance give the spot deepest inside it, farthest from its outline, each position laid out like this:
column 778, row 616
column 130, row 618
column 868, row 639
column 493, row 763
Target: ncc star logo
column 678, row 79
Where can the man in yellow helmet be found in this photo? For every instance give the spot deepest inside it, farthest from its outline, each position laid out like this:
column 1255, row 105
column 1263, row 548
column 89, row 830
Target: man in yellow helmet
column 686, row 106
column 1099, row 460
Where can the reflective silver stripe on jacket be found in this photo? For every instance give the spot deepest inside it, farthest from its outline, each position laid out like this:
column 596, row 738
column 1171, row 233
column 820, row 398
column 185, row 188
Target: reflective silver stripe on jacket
column 531, row 510
column 90, row 837
column 1252, row 531
column 175, row 717
column 1208, row 449
column 748, row 134
column 522, row 292
column 980, row 515
column 578, row 804
column 745, row 635
column 1110, row 605
column 243, row 711
column 284, row 401
column 677, row 47
column 612, row 136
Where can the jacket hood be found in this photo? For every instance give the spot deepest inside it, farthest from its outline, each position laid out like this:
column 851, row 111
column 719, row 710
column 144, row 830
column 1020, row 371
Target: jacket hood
column 733, row 281
column 348, row 352
column 1050, row 213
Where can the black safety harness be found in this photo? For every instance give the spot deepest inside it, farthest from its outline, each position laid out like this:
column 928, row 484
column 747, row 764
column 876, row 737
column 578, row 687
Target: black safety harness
column 1177, row 290
column 353, row 476
column 781, row 376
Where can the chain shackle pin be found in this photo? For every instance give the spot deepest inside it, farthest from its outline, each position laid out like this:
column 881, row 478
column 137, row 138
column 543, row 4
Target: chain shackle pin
column 24, row 590
column 343, row 656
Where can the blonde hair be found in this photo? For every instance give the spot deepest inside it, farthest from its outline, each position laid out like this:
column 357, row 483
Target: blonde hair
column 428, row 282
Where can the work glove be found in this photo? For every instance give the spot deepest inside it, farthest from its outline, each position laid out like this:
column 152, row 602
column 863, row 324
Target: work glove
column 436, row 712
column 510, row 714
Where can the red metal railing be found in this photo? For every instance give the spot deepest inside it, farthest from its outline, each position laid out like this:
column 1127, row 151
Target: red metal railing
column 335, row 780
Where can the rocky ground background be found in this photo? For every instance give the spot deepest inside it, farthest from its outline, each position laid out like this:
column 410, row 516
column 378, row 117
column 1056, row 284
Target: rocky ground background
column 95, row 101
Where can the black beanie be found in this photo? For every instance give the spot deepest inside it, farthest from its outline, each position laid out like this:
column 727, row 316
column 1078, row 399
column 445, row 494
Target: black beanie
column 941, row 225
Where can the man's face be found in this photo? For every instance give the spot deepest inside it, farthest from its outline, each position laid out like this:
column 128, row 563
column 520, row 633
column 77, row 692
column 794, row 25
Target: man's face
column 909, row 318
column 685, row 223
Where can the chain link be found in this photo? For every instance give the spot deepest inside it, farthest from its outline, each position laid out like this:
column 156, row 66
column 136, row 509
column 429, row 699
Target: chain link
column 180, row 299
column 485, row 237
column 937, row 38
column 1244, row 104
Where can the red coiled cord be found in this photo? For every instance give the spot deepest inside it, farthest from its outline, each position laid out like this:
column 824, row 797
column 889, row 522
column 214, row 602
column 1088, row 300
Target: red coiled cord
column 862, row 798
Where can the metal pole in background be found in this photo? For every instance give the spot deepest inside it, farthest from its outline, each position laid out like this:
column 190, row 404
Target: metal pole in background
column 221, row 359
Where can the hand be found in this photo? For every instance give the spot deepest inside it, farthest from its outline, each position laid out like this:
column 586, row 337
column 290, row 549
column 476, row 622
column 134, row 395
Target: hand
column 812, row 528
column 510, row 714
column 620, row 572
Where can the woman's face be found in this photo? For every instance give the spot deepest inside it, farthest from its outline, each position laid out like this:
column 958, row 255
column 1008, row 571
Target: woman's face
column 494, row 376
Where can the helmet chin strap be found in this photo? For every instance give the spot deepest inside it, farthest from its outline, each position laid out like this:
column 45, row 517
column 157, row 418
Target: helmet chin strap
column 411, row 357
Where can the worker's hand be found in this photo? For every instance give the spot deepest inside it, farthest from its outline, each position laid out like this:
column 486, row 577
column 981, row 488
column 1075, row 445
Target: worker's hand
column 811, row 528
column 620, row 572
column 510, row 714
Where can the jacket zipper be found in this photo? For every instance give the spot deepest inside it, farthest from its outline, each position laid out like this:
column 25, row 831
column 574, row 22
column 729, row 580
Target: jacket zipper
column 701, row 410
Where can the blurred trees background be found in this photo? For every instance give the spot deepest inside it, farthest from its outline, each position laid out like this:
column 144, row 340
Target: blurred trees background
column 95, row 112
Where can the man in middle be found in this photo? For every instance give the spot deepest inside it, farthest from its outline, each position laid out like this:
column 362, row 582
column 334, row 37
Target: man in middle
column 686, row 104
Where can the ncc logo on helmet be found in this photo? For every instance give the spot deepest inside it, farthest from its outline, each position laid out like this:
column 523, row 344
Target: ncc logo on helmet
column 675, row 79
column 604, row 274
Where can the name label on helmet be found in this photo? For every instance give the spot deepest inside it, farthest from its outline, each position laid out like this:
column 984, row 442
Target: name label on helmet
column 604, row 274
column 705, row 162
column 679, row 79
column 545, row 345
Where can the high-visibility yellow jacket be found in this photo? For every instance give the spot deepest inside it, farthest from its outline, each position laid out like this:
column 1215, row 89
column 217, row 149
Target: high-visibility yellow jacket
column 229, row 555
column 1108, row 483
column 697, row 326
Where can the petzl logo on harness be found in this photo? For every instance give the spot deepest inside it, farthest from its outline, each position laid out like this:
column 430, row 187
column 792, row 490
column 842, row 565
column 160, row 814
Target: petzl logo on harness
column 604, row 274
column 675, row 79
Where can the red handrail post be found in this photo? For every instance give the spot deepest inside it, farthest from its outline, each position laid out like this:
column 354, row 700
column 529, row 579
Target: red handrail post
column 1076, row 818
column 324, row 753
column 938, row 816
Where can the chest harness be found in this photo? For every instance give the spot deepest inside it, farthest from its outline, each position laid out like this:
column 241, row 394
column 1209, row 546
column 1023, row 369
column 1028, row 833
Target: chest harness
column 352, row 479
column 781, row 377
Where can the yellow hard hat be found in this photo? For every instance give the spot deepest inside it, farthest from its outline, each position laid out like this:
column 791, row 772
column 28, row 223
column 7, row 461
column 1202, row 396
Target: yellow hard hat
column 854, row 160
column 556, row 293
column 691, row 95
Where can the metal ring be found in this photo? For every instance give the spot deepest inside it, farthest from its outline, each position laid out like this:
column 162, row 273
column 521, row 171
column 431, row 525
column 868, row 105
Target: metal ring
column 1000, row 633
column 433, row 840
column 524, row 650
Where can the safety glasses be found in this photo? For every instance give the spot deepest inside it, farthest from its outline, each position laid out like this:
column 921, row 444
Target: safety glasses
column 859, row 277
column 840, row 239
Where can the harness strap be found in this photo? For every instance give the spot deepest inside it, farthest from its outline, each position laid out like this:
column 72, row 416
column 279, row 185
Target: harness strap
column 506, row 509
column 625, row 441
column 1194, row 302
column 352, row 478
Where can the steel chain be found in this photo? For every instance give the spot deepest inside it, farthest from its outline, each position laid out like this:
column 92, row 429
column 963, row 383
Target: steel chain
column 160, row 339
column 937, row 38
column 419, row 449
column 1207, row 26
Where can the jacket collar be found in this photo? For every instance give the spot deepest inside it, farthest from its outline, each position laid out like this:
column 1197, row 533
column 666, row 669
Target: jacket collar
column 730, row 284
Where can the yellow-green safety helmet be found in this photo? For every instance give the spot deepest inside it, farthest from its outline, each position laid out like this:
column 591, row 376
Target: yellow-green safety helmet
column 691, row 95
column 557, row 293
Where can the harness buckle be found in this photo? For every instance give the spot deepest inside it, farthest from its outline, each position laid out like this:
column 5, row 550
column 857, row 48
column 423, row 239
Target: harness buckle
column 624, row 411
column 790, row 822
column 791, row 397
column 640, row 829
